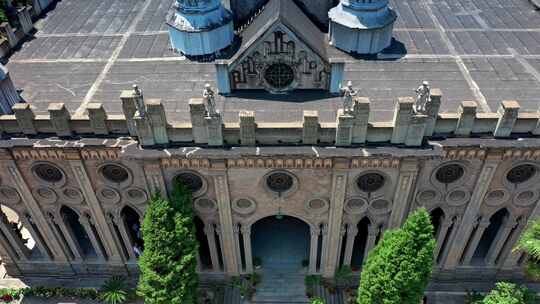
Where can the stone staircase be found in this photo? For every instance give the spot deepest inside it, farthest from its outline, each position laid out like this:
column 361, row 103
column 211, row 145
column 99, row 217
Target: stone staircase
column 280, row 286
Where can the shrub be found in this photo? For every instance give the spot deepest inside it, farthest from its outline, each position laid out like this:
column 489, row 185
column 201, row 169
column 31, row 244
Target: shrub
column 508, row 293
column 344, row 276
column 168, row 263
column 530, row 243
column 398, row 269
column 114, row 291
column 316, row 301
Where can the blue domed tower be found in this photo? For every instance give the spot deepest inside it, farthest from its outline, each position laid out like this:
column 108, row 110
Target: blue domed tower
column 362, row 26
column 200, row 27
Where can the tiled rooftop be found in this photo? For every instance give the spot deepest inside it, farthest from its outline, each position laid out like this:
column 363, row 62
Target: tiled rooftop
column 90, row 50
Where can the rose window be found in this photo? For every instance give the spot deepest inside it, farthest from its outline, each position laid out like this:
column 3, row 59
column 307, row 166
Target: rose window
column 48, row 173
column 521, row 174
column 279, row 75
column 370, row 182
column 449, row 173
column 279, row 182
column 191, row 181
column 114, row 173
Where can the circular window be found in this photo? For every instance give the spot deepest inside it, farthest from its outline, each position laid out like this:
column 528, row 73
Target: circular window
column 370, row 182
column 114, row 173
column 521, row 174
column 449, row 173
column 48, row 173
column 192, row 181
column 279, row 182
column 244, row 206
column 279, row 75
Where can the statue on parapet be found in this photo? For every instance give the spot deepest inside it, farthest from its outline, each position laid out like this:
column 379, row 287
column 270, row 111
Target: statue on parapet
column 210, row 100
column 139, row 101
column 423, row 97
column 348, row 97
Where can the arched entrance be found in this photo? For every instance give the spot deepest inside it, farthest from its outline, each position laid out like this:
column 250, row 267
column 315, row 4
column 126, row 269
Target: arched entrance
column 281, row 242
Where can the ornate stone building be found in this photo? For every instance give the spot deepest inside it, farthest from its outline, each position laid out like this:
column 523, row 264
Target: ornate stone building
column 313, row 190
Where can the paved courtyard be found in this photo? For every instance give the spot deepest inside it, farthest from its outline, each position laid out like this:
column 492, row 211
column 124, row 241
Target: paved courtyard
column 90, row 50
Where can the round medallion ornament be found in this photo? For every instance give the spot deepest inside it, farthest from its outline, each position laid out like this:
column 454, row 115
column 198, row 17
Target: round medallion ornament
column 317, row 206
column 135, row 195
column 521, row 174
column 279, row 182
column 428, row 197
column 525, row 198
column 458, row 197
column 370, row 182
column 279, row 75
column 380, row 206
column 244, row 206
column 356, row 205
column 192, row 181
column 72, row 195
column 9, row 195
column 108, row 195
column 497, row 197
column 48, row 173
column 205, row 205
column 114, row 173
column 45, row 195
column 450, row 173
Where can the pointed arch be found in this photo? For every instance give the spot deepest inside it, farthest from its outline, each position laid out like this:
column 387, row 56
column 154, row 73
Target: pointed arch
column 205, row 260
column 360, row 243
column 131, row 220
column 77, row 232
column 496, row 222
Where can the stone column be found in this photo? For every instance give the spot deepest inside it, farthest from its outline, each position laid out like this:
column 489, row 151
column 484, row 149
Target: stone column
column 407, row 178
column 98, row 118
column 344, row 129
column 313, row 250
column 215, row 130
column 248, row 128
column 467, row 116
column 352, row 231
column 324, row 246
column 87, row 225
column 508, row 112
column 60, row 119
column 210, row 233
column 432, row 111
column 509, row 258
column 223, row 78
column 373, row 232
column 456, row 220
column 403, row 112
column 128, row 98
column 158, row 121
column 9, row 258
column 475, row 239
column 96, row 211
column 36, row 213
column 237, row 248
column 499, row 241
column 246, row 236
column 28, row 224
column 126, row 239
column 310, row 128
column 416, row 130
column 15, row 242
column 68, row 235
column 336, row 75
column 361, row 119
column 25, row 118
column 197, row 111
column 339, row 186
column 471, row 213
column 441, row 235
column 221, row 185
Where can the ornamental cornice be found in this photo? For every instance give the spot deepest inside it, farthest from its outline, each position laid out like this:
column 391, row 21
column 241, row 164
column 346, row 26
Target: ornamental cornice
column 99, row 154
column 521, row 154
column 45, row 154
column 464, row 154
column 185, row 163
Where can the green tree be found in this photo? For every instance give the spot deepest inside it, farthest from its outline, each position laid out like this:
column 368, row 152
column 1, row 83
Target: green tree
column 168, row 263
column 398, row 269
column 508, row 293
column 530, row 243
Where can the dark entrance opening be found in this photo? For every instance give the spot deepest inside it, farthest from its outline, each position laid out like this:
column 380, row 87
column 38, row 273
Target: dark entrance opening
column 281, row 243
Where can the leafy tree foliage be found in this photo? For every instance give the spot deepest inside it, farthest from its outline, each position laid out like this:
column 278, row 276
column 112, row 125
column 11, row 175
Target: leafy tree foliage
column 508, row 293
column 398, row 269
column 530, row 243
column 168, row 263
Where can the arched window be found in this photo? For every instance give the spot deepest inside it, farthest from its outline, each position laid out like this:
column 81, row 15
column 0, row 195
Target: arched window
column 132, row 223
column 16, row 237
column 77, row 232
column 496, row 222
column 204, row 248
column 360, row 243
column 437, row 217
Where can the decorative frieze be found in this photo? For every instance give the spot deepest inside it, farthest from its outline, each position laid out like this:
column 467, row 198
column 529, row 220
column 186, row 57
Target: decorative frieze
column 459, row 154
column 44, row 154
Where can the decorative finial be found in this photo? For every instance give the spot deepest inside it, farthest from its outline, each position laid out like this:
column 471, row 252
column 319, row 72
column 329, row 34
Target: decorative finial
column 423, row 97
column 210, row 100
column 139, row 101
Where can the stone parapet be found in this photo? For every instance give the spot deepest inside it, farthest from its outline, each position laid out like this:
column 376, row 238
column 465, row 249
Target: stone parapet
column 351, row 128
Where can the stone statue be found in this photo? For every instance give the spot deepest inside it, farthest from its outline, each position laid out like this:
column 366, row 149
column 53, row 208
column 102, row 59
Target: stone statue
column 348, row 95
column 210, row 100
column 423, row 97
column 139, row 101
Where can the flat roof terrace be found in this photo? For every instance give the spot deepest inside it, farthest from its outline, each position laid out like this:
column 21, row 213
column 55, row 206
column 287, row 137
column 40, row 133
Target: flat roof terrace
column 90, row 50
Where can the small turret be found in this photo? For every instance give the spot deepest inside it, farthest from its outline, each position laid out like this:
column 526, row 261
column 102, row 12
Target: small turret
column 200, row 27
column 362, row 26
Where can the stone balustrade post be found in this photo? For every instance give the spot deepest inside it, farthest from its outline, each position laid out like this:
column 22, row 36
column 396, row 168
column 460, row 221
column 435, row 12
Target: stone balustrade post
column 60, row 119
column 336, row 75
column 467, row 116
column 98, row 118
column 7, row 31
column 403, row 112
column 223, row 77
column 344, row 130
column 508, row 112
column 362, row 107
column 25, row 118
column 128, row 98
column 248, row 128
column 310, row 128
column 215, row 130
column 416, row 130
column 158, row 121
column 432, row 111
column 197, row 111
